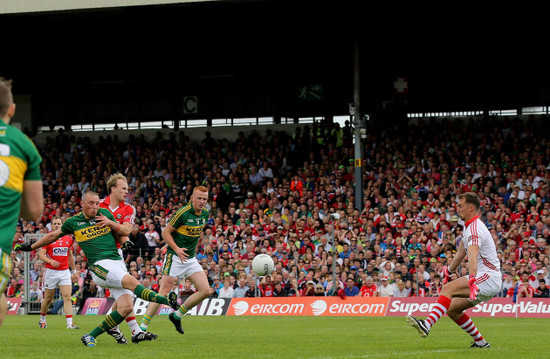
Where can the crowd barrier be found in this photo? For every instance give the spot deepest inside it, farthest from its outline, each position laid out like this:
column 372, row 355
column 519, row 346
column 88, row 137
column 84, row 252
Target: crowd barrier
column 335, row 306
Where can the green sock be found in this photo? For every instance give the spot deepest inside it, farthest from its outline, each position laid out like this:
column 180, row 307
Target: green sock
column 149, row 295
column 180, row 312
column 145, row 322
column 111, row 321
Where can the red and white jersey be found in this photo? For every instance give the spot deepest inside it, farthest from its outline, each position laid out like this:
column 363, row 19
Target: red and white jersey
column 476, row 233
column 124, row 213
column 367, row 291
column 59, row 252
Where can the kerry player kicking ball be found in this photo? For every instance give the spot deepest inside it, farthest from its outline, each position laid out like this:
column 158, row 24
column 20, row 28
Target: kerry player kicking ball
column 99, row 245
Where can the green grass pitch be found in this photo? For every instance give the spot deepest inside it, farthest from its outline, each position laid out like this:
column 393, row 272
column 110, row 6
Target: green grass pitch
column 278, row 337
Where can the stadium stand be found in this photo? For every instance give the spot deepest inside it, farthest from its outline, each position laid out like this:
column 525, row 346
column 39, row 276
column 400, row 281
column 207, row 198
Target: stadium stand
column 406, row 232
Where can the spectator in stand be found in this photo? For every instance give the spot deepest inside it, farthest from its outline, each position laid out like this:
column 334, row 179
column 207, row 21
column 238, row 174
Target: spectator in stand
column 227, row 290
column 252, row 290
column 35, row 294
column 153, row 238
column 369, row 289
column 241, row 289
column 542, row 291
column 266, row 286
column 278, row 290
column 292, row 290
column 524, row 289
column 255, row 179
column 385, row 289
column 309, row 290
column 351, row 289
column 187, row 290
column 266, row 172
column 319, row 290
column 401, row 291
column 140, row 242
column 416, row 290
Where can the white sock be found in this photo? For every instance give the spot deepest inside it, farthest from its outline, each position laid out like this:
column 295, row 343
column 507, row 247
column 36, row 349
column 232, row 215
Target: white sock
column 69, row 320
column 42, row 318
column 427, row 324
column 134, row 327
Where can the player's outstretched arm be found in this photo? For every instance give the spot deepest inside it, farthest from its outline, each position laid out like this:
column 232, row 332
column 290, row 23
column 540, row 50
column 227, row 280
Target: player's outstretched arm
column 47, row 239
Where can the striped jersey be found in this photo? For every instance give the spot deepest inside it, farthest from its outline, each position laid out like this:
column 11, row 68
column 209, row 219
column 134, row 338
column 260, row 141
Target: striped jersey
column 189, row 227
column 19, row 162
column 476, row 233
column 96, row 241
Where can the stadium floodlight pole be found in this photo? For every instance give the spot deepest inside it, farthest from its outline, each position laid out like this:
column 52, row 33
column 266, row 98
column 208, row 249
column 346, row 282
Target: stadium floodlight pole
column 360, row 131
column 334, row 255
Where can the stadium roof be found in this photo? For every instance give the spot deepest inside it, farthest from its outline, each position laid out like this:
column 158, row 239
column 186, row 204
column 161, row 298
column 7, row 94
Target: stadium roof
column 252, row 58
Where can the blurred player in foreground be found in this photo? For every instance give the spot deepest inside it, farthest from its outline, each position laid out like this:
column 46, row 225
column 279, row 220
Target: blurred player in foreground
column 20, row 185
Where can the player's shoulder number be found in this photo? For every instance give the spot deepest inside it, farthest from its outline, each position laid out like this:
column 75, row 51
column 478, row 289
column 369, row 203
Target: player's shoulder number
column 5, row 151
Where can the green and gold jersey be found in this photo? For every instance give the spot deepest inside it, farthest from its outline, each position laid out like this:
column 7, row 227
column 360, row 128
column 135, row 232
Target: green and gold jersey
column 19, row 162
column 189, row 227
column 97, row 242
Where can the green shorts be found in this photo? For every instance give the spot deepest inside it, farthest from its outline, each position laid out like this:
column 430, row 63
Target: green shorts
column 5, row 270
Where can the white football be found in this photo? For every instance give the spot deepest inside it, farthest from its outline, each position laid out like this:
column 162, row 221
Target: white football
column 262, row 264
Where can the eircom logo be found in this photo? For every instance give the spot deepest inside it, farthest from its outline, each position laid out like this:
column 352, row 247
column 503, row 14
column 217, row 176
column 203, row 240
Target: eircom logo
column 267, row 306
column 318, row 307
column 240, row 307
column 333, row 306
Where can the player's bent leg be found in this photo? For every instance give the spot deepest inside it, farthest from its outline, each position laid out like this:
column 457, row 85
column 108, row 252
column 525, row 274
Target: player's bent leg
column 450, row 291
column 200, row 282
column 131, row 283
column 125, row 304
column 457, row 313
column 115, row 331
column 112, row 320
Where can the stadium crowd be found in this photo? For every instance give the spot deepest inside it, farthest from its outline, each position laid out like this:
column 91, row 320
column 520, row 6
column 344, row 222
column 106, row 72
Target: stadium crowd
column 291, row 195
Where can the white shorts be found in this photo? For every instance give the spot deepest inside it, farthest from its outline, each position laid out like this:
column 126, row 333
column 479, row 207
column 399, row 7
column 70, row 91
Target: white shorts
column 54, row 278
column 174, row 267
column 489, row 285
column 108, row 273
